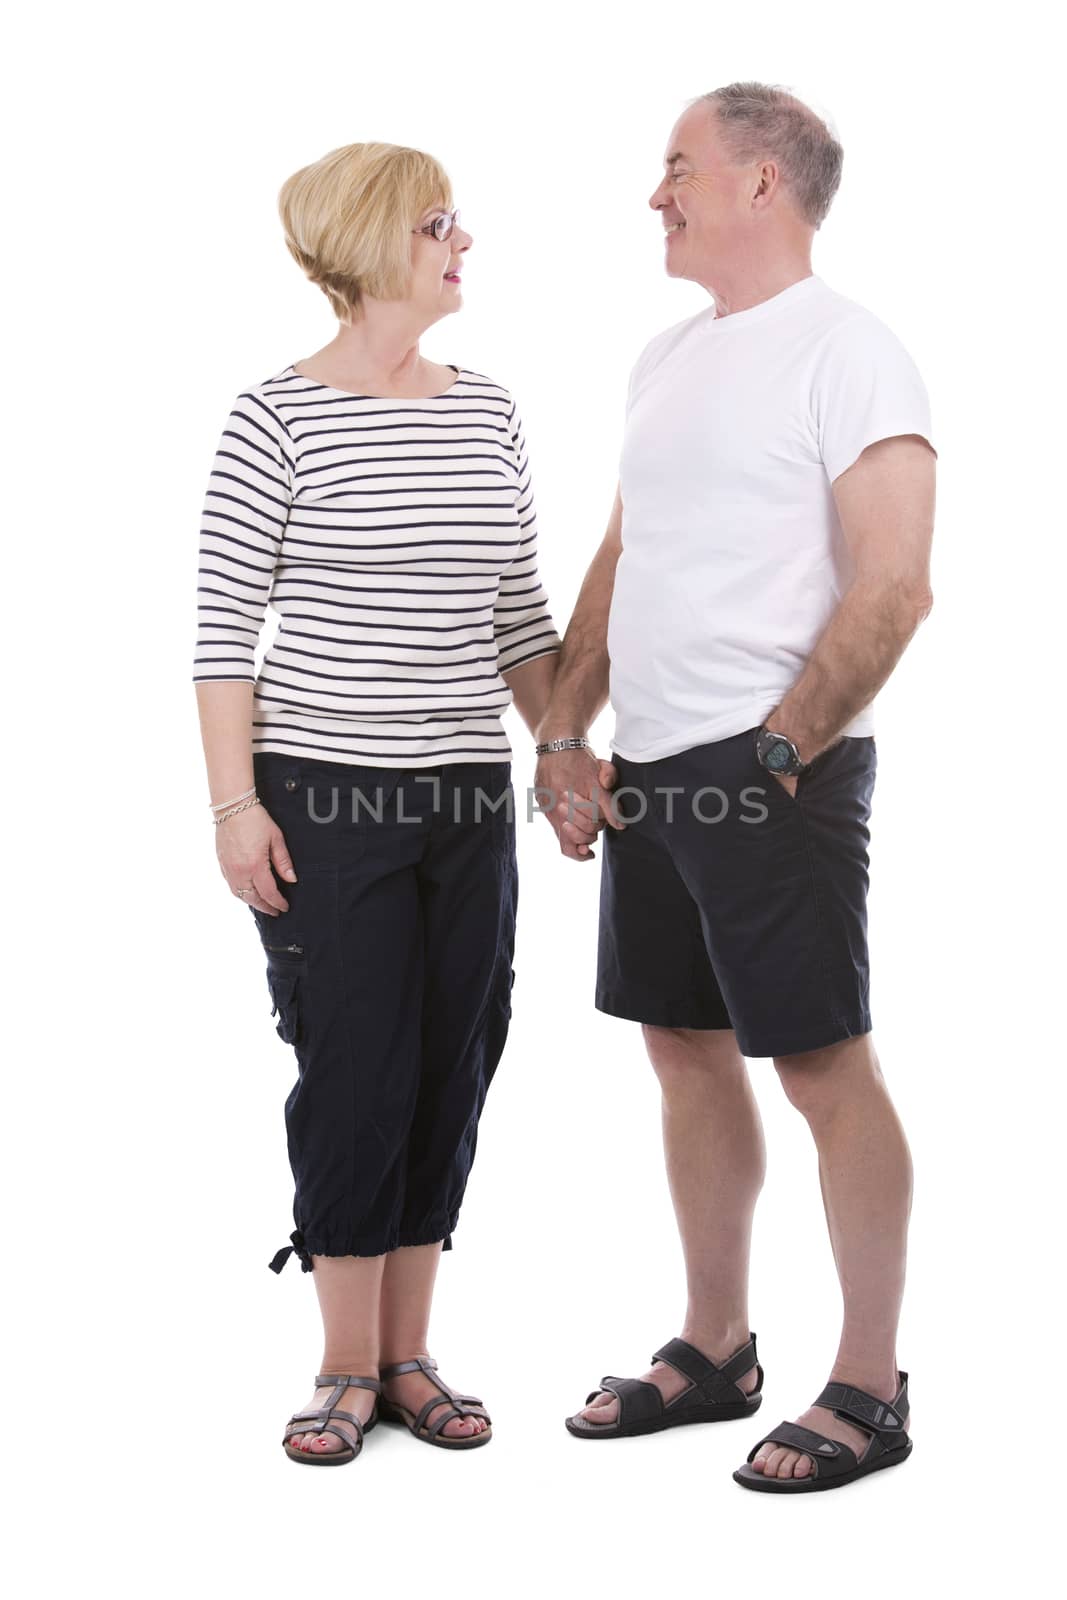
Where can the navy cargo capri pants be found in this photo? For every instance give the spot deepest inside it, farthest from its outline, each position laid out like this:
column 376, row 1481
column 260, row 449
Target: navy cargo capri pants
column 390, row 976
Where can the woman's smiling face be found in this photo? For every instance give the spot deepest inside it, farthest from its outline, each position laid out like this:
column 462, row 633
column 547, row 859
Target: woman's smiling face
column 436, row 265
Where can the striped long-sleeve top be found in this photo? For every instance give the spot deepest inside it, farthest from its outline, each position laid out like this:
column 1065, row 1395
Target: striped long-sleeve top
column 397, row 541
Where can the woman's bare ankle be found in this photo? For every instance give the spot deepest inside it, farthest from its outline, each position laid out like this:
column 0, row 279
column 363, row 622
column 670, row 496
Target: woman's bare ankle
column 353, row 1363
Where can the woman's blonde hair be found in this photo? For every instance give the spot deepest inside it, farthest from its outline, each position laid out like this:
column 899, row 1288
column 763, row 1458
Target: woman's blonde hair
column 348, row 219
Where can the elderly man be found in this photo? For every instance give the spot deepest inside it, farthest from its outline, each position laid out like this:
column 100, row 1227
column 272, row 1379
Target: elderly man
column 765, row 564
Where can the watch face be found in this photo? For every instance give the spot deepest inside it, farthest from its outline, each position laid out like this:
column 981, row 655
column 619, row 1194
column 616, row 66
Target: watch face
column 777, row 756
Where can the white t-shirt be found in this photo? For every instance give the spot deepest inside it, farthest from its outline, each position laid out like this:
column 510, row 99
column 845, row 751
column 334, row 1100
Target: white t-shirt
column 733, row 557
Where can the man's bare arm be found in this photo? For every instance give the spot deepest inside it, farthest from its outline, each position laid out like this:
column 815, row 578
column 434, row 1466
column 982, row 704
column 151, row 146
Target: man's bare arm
column 581, row 688
column 578, row 696
column 886, row 504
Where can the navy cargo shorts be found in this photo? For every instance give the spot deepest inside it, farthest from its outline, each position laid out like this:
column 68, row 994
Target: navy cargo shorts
column 390, row 975
column 727, row 902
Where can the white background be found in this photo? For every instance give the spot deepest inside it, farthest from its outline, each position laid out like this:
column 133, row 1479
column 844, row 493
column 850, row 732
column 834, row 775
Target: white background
column 153, row 1358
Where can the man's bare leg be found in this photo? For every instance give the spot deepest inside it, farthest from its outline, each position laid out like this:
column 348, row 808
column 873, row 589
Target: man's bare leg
column 713, row 1143
column 866, row 1177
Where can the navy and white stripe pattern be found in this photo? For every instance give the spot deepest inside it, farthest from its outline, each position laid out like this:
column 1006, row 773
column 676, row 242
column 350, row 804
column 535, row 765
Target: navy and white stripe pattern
column 397, row 540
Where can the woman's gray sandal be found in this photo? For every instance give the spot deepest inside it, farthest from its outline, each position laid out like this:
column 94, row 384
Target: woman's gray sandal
column 833, row 1463
column 713, row 1394
column 324, row 1420
column 448, row 1405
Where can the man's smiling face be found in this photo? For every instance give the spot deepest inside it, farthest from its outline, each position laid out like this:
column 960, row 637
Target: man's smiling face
column 704, row 197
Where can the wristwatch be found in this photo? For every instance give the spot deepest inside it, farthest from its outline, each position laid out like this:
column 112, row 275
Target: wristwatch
column 778, row 754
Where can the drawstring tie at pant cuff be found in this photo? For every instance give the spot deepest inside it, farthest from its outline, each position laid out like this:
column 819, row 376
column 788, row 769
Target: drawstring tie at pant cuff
column 297, row 1247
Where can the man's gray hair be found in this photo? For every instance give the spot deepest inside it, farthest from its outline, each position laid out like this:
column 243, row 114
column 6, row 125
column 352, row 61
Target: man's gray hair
column 761, row 120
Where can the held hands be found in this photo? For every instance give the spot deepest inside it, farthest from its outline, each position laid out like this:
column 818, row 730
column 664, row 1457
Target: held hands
column 246, row 844
column 573, row 789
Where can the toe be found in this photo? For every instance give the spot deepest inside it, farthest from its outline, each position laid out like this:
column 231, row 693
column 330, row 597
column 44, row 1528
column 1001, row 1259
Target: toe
column 773, row 1462
column 803, row 1467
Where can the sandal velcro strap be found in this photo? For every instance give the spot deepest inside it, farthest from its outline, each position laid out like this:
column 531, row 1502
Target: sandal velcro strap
column 714, row 1382
column 638, row 1400
column 883, row 1419
column 791, row 1436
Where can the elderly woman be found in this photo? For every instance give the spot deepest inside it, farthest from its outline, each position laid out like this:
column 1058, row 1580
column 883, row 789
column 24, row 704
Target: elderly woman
column 360, row 783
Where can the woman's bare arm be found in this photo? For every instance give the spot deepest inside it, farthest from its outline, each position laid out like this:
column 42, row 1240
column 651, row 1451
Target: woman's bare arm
column 249, row 841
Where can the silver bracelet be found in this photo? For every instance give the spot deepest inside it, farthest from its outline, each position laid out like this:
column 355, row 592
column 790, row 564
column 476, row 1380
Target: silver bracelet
column 220, row 805
column 561, row 744
column 253, row 802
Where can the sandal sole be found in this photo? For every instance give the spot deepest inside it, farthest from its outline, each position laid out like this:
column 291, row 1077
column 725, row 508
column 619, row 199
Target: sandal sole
column 333, row 1458
column 611, row 1430
column 811, row 1485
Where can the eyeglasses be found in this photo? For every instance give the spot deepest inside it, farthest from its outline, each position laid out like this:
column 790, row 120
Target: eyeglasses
column 441, row 227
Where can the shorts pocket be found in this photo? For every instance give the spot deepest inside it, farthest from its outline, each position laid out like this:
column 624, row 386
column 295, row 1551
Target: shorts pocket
column 770, row 782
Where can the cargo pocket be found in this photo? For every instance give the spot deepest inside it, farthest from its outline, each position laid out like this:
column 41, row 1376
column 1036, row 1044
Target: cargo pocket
column 286, row 966
column 497, row 1021
column 284, row 985
column 507, row 983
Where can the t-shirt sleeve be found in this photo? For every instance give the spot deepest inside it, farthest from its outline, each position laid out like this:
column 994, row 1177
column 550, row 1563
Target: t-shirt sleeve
column 246, row 507
column 522, row 622
column 646, row 359
column 631, row 383
column 867, row 388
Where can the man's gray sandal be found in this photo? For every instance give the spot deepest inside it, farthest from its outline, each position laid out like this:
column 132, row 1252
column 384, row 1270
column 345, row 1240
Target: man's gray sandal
column 323, row 1420
column 448, row 1405
column 833, row 1463
column 712, row 1396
